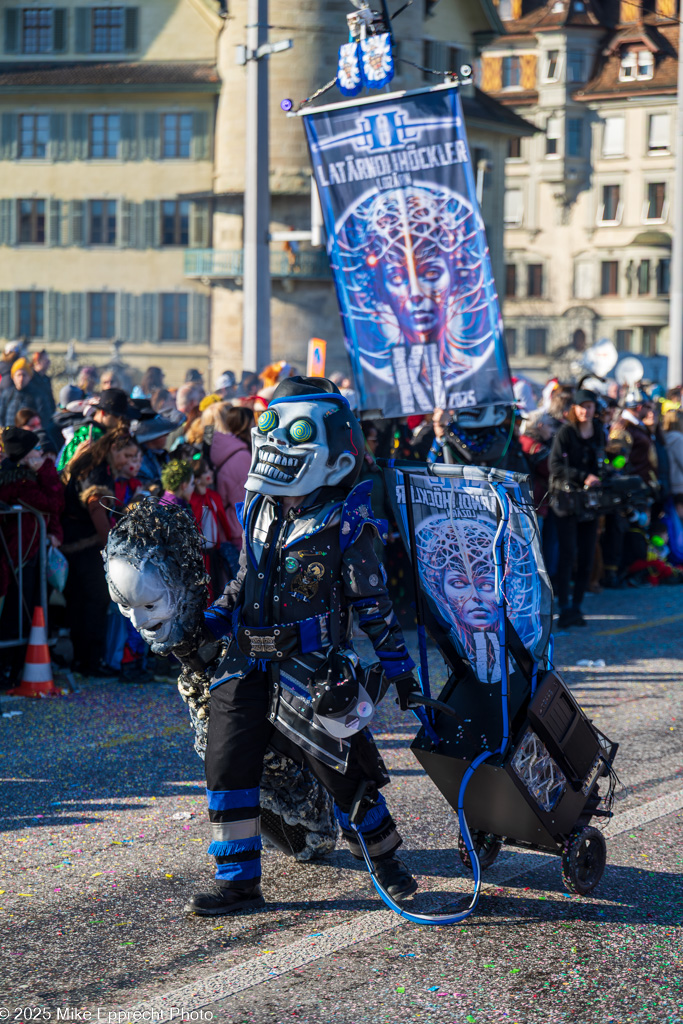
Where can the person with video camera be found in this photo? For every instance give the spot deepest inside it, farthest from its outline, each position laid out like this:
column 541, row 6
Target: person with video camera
column 575, row 467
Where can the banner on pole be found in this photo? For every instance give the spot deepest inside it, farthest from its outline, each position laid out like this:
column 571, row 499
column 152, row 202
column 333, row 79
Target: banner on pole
column 455, row 524
column 408, row 252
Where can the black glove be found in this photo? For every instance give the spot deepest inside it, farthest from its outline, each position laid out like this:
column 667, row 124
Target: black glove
column 407, row 685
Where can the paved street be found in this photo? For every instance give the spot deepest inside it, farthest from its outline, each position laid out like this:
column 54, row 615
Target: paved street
column 104, row 838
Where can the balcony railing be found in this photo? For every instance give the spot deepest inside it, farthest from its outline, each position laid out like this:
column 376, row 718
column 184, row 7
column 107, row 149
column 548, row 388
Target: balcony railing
column 229, row 263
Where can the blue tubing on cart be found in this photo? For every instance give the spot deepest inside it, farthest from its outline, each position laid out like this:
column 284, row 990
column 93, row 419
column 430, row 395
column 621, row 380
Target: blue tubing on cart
column 438, row 919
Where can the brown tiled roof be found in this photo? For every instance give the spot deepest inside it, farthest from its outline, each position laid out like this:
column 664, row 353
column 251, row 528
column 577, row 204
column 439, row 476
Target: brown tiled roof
column 546, row 18
column 516, row 97
column 606, row 82
column 112, row 74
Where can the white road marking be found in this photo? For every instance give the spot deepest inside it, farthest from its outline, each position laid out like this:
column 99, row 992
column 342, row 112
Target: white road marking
column 366, row 926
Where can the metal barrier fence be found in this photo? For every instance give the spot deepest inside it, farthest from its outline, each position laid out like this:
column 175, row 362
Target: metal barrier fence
column 20, row 510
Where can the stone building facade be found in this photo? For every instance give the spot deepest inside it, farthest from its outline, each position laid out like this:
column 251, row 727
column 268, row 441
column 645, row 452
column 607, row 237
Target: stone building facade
column 588, row 208
column 122, row 155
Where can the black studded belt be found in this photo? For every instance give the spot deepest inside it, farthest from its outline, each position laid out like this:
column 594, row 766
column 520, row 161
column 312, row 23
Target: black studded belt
column 278, row 642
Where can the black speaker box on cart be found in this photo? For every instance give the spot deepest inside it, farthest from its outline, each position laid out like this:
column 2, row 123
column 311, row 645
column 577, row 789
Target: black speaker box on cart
column 541, row 794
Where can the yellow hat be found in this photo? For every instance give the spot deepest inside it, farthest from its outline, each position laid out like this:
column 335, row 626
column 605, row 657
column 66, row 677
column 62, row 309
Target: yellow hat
column 21, row 364
column 209, row 400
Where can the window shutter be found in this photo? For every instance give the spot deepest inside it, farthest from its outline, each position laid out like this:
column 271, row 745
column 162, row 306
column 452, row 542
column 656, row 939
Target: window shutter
column 77, row 304
column 59, row 30
column 131, row 30
column 58, row 136
column 199, row 225
column 6, row 318
column 129, row 136
column 613, row 137
column 199, row 311
column 660, row 131
column 54, row 222
column 200, row 135
column 151, row 225
column 150, row 317
column 123, row 233
column 56, row 320
column 6, row 221
column 12, row 30
column 83, row 29
column 151, row 137
column 79, row 136
column 127, row 316
column 513, row 206
column 8, row 136
column 76, row 225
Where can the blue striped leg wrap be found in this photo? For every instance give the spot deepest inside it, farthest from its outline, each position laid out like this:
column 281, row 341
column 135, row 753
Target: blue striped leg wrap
column 378, row 828
column 235, row 833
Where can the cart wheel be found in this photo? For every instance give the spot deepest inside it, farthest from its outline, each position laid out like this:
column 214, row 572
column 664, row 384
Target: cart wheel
column 487, row 846
column 583, row 860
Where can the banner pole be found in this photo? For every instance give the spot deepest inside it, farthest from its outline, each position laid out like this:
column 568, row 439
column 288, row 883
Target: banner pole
column 419, row 617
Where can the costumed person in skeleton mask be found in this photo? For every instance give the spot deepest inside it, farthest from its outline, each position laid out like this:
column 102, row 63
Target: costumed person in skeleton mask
column 290, row 678
column 157, row 576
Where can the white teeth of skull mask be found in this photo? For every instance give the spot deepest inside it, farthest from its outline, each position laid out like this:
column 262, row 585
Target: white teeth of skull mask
column 291, row 453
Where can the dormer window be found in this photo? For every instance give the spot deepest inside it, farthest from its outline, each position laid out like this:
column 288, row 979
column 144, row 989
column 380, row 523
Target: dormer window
column 629, row 64
column 646, row 65
column 636, row 66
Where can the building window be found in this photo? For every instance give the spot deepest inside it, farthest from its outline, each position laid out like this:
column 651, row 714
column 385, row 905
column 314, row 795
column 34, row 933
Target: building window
column 102, row 222
column 34, row 136
column 613, row 137
column 579, row 340
column 644, row 277
column 610, row 208
column 535, row 280
column 510, row 280
column 576, row 66
column 659, row 133
column 107, row 29
column 650, row 336
column 101, row 315
column 32, row 221
column 173, row 317
column 37, row 30
column 583, row 280
column 664, row 277
column 656, row 205
column 552, row 66
column 553, row 129
column 536, row 341
column 514, row 148
column 175, row 227
column 627, row 70
column 609, row 277
column 105, row 135
column 513, row 207
column 31, row 314
column 512, row 72
column 646, row 65
column 176, row 135
column 511, row 341
column 574, row 136
column 624, row 342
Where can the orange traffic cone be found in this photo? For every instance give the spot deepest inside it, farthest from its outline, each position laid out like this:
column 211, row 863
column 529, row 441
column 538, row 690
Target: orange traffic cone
column 37, row 678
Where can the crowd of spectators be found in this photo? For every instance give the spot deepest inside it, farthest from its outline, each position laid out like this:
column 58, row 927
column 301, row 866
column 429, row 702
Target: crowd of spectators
column 80, row 462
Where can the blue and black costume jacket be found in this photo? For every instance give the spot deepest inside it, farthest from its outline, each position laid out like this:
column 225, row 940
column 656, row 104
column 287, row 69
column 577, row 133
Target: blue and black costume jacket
column 290, row 605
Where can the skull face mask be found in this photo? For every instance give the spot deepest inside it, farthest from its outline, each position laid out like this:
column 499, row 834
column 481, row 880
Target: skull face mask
column 146, row 599
column 303, row 442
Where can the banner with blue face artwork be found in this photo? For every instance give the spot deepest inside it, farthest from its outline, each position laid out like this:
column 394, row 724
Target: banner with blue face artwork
column 408, row 251
column 455, row 523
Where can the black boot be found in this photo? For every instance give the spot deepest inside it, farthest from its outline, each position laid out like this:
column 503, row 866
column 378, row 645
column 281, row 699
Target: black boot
column 227, row 898
column 394, row 876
